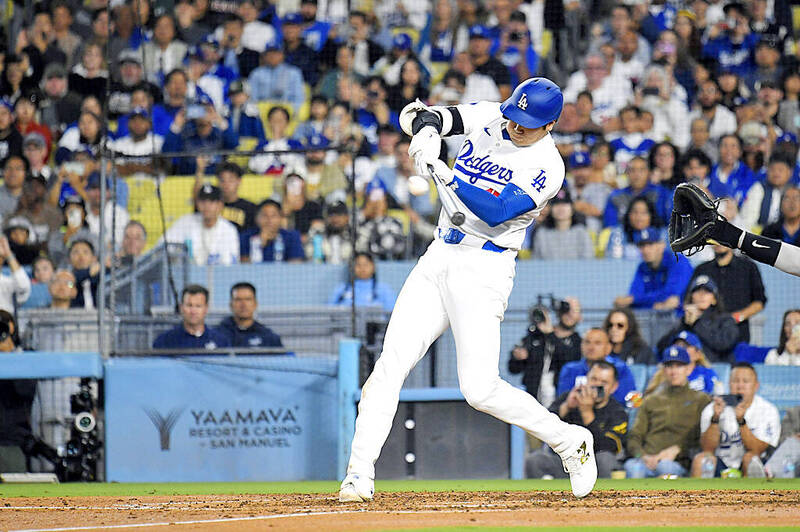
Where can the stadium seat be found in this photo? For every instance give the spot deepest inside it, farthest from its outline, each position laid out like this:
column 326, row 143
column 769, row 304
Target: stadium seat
column 750, row 353
column 723, row 372
column 257, row 188
column 142, row 189
column 779, row 384
column 640, row 376
column 245, row 144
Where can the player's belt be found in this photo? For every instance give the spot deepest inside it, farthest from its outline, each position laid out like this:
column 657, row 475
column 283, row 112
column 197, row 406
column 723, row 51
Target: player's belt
column 454, row 236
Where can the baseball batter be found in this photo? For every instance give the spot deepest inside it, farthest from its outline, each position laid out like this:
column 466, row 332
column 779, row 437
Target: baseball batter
column 507, row 169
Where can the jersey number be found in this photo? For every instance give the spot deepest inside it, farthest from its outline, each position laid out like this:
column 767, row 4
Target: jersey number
column 538, row 183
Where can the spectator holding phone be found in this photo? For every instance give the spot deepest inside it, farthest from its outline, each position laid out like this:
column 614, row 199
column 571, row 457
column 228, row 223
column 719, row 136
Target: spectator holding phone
column 593, row 406
column 737, row 429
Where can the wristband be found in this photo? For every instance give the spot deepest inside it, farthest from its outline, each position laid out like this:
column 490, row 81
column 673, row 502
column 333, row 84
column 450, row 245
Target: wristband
column 715, row 420
column 737, row 317
column 742, row 422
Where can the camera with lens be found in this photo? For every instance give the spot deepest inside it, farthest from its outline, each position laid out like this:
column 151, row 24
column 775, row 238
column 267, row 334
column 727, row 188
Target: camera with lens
column 547, row 301
column 78, row 461
column 515, row 36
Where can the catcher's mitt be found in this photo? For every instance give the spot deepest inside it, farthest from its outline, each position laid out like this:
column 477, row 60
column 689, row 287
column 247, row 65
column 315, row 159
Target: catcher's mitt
column 693, row 218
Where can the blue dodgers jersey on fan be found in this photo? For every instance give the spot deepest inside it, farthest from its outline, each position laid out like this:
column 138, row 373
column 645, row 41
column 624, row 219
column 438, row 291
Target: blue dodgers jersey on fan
column 738, row 183
column 489, row 160
column 703, row 379
column 178, row 338
column 574, row 373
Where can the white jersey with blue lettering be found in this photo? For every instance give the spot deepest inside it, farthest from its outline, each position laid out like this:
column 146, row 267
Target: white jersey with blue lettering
column 490, row 160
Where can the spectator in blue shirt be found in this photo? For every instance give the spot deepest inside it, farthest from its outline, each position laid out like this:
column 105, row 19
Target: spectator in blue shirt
column 193, row 332
column 731, row 43
column 243, row 116
column 297, row 52
column 275, row 80
column 241, row 328
column 660, row 279
column 595, row 346
column 730, row 171
column 269, row 242
column 369, row 292
column 640, row 185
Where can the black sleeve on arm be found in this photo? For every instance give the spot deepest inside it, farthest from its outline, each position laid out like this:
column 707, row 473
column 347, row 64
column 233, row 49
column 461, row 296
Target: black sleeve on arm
column 426, row 118
column 458, row 122
column 761, row 249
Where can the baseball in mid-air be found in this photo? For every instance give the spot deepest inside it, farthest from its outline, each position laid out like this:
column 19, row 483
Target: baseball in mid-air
column 418, row 185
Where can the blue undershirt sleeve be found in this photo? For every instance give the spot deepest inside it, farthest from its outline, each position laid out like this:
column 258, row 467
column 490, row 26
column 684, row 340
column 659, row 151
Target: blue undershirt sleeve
column 493, row 210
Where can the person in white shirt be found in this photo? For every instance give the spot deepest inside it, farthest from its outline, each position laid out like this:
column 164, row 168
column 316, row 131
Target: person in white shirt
column 17, row 284
column 737, row 433
column 139, row 141
column 164, row 53
column 788, row 351
column 211, row 239
column 478, row 86
column 256, row 34
column 610, row 93
column 721, row 121
column 115, row 228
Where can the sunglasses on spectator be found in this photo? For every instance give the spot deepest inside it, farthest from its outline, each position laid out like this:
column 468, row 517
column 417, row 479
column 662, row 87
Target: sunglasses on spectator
column 617, row 324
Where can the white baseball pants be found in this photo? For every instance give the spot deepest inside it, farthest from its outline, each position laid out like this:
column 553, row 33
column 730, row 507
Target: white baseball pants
column 467, row 289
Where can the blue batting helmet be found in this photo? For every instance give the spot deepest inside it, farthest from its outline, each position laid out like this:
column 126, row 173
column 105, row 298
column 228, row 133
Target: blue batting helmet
column 534, row 103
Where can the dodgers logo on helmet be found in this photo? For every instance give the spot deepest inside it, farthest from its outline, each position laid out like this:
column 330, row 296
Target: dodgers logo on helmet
column 534, row 103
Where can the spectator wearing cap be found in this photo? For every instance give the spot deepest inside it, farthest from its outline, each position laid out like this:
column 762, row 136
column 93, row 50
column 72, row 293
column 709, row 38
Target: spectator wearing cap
column 25, row 110
column 65, row 38
column 237, row 210
column 196, row 129
column 10, row 137
column 660, row 279
column 324, row 181
column 278, row 124
column 16, row 286
column 561, row 236
column 705, row 315
column 74, row 227
column 243, row 116
column 638, row 170
column 140, row 141
column 297, row 52
column 477, row 86
column 768, row 68
column 787, row 228
column 667, row 427
column 268, row 241
column 379, row 234
column 211, row 239
column 213, row 57
column 15, row 169
column 389, row 66
column 731, row 43
column 129, row 78
column 275, row 80
column 737, row 436
column 336, row 245
column 300, row 212
column 200, row 82
column 762, row 206
column 165, row 52
column 89, row 77
column 479, row 48
column 59, row 106
column 22, row 239
column 33, row 206
column 740, row 286
column 730, row 172
column 34, row 147
column 115, row 216
column 588, row 197
column 609, row 93
column 701, row 377
column 721, row 121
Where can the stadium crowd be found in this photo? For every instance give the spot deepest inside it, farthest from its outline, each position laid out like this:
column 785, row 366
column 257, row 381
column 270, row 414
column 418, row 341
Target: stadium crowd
column 656, row 93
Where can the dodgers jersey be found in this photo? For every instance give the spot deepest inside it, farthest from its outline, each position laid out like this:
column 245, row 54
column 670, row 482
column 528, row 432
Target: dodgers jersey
column 488, row 159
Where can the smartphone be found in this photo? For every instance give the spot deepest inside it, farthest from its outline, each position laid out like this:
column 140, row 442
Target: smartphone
column 601, row 392
column 732, row 399
column 650, row 91
column 193, row 112
column 74, row 167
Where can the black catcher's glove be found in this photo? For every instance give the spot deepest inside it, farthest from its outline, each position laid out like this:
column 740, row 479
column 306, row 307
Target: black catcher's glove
column 693, row 218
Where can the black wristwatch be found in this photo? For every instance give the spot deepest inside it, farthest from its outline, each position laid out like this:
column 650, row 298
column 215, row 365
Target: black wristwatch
column 715, row 420
column 742, row 422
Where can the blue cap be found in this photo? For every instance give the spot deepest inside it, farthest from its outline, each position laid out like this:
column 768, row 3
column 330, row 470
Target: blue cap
column 140, row 111
column 787, row 136
column 373, row 186
column 293, row 18
column 195, row 52
column 646, row 236
column 689, row 337
column 706, row 283
column 93, row 181
column 401, row 41
column 317, row 141
column 272, row 45
column 5, row 102
column 675, row 353
column 479, row 31
column 210, row 39
column 580, row 159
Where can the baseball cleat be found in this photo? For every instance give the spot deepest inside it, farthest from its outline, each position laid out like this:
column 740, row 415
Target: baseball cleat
column 580, row 463
column 356, row 488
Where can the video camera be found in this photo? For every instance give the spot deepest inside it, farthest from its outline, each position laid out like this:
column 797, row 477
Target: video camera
column 79, row 459
column 559, row 306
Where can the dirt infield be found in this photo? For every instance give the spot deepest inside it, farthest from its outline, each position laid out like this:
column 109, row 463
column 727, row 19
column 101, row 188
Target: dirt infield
column 408, row 510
